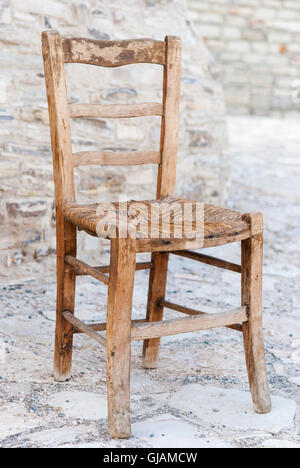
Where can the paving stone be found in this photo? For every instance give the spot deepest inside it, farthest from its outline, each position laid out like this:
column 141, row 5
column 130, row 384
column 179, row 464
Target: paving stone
column 295, row 380
column 83, row 405
column 167, row 431
column 233, row 408
column 51, row 438
column 279, row 443
column 14, row 418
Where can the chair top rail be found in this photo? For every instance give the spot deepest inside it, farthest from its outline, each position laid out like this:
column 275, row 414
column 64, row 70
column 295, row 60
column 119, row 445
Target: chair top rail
column 113, row 53
column 115, row 110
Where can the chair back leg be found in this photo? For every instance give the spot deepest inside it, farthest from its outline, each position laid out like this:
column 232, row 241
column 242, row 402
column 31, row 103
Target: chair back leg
column 118, row 335
column 157, row 289
column 66, row 281
column 252, row 255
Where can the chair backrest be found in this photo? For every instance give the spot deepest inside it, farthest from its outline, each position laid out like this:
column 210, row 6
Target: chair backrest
column 58, row 51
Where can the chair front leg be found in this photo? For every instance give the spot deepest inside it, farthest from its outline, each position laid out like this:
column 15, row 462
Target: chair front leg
column 252, row 257
column 66, row 282
column 157, row 289
column 118, row 335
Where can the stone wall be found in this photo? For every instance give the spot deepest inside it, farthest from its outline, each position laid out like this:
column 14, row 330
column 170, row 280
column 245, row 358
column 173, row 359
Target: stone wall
column 256, row 44
column 26, row 185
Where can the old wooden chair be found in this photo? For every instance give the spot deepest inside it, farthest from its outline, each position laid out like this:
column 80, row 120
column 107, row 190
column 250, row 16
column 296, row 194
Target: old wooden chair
column 220, row 226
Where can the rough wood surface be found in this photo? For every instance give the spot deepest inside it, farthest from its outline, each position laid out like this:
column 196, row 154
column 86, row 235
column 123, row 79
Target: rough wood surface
column 252, row 257
column 64, row 191
column 60, row 129
column 170, row 121
column 86, row 269
column 217, row 262
column 116, row 158
column 65, row 299
column 113, row 53
column 102, row 325
column 187, row 324
column 189, row 311
column 118, row 340
column 84, row 328
column 106, row 268
column 156, row 290
column 171, row 245
column 115, row 110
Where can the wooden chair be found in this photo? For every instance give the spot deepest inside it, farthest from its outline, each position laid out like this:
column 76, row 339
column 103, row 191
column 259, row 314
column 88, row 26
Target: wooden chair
column 219, row 226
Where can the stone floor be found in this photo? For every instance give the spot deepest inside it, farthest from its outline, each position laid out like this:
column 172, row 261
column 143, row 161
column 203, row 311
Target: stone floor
column 198, row 396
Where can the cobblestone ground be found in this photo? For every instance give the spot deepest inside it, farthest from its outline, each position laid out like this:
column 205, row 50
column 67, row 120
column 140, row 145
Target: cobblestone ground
column 198, row 396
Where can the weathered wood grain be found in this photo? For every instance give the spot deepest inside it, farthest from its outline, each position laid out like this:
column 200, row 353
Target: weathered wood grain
column 86, row 269
column 170, row 121
column 156, row 290
column 187, row 324
column 118, row 340
column 116, row 111
column 252, row 257
column 113, row 53
column 60, row 129
column 217, row 262
column 84, row 328
column 116, row 158
column 64, row 191
column 189, row 311
column 106, row 268
column 102, row 326
column 65, row 298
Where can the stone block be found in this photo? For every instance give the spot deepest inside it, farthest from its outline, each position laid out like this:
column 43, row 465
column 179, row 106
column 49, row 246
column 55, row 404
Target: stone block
column 239, row 95
column 76, row 404
column 262, row 80
column 238, row 46
column 16, row 419
column 26, row 209
column 265, row 13
column 281, row 37
column 233, row 408
column 231, row 32
column 168, row 431
column 209, row 31
column 253, row 35
column 211, row 18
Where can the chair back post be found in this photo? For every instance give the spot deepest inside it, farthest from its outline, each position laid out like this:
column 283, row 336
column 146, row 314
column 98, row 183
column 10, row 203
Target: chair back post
column 170, row 120
column 60, row 129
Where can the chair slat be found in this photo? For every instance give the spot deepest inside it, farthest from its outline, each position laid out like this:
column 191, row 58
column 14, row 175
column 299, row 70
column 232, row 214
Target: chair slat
column 113, row 53
column 190, row 324
column 116, row 158
column 83, row 328
column 115, row 111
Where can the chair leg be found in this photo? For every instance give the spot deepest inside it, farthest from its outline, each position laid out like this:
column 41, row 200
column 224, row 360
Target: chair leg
column 157, row 288
column 252, row 255
column 66, row 281
column 118, row 335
